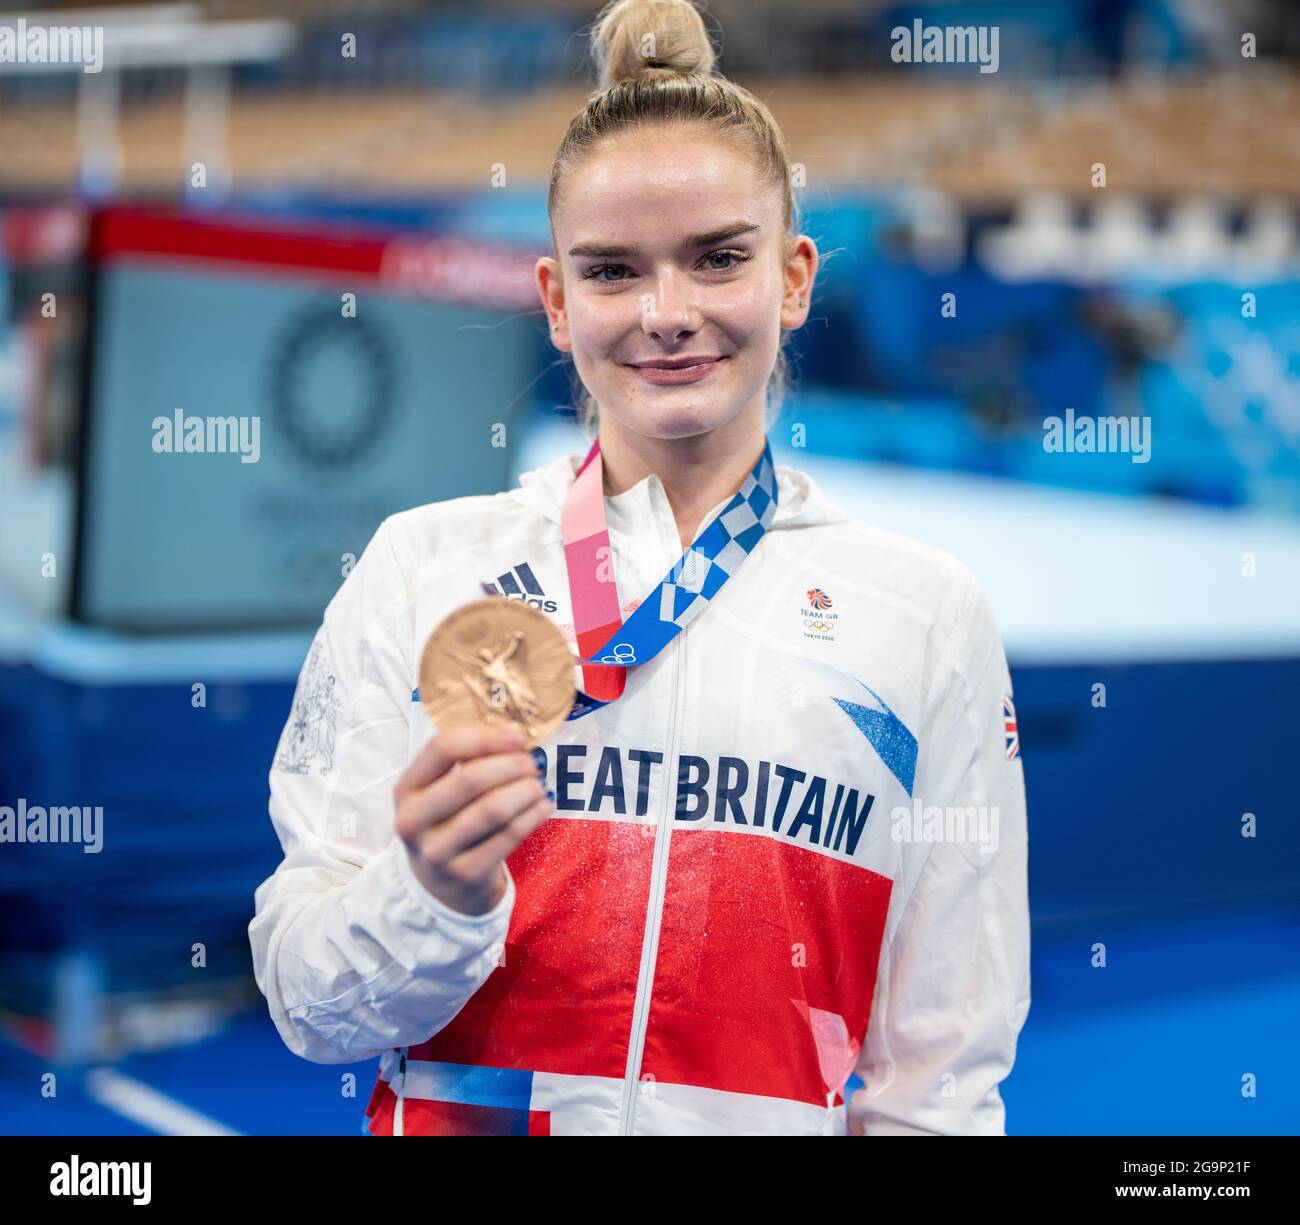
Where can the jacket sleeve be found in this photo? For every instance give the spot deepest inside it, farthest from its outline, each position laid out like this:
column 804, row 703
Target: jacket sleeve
column 952, row 990
column 354, row 955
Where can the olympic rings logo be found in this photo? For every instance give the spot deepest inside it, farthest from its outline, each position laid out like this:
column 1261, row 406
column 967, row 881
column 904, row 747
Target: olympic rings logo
column 818, row 625
column 619, row 657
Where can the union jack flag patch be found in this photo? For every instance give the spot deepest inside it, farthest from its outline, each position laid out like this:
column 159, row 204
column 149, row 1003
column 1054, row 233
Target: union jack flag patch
column 1010, row 727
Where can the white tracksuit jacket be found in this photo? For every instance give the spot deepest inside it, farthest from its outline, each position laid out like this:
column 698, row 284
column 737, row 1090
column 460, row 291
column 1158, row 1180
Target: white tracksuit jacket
column 800, row 831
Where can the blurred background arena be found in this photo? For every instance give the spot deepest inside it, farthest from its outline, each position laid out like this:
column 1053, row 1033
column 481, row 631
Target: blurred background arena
column 1117, row 212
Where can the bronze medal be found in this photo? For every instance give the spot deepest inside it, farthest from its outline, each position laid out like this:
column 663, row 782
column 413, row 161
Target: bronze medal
column 501, row 663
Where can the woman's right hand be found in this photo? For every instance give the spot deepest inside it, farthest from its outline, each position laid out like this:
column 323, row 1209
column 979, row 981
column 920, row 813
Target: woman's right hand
column 466, row 800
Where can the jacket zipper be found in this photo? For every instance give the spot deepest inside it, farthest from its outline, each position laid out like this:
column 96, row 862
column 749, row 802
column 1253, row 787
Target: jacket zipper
column 401, row 1094
column 655, row 908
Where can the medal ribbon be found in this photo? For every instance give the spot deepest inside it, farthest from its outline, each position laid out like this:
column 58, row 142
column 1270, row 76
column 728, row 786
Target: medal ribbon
column 608, row 646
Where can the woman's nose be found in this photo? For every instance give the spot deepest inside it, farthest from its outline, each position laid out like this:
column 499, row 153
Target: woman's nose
column 669, row 312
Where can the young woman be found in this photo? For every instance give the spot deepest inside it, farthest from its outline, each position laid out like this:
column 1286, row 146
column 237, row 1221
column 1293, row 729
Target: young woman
column 787, row 838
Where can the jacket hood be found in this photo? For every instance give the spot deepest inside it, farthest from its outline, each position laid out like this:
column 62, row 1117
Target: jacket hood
column 800, row 502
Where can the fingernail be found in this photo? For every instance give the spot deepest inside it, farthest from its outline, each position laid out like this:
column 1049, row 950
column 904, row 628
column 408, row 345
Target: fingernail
column 550, row 795
column 539, row 759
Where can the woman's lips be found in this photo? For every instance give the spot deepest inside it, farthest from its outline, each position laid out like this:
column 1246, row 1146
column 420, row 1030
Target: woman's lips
column 683, row 374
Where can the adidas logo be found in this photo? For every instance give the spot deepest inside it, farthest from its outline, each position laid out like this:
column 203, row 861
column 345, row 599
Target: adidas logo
column 519, row 583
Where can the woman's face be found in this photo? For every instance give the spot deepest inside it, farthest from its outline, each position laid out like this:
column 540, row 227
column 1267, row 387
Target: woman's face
column 673, row 280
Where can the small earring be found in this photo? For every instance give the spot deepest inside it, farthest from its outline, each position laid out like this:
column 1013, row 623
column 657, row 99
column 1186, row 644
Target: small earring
column 802, row 302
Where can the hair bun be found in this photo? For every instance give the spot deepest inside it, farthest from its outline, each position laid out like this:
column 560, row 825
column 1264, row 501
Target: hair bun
column 632, row 39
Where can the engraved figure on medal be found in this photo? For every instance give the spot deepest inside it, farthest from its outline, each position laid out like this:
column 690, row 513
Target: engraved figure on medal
column 498, row 662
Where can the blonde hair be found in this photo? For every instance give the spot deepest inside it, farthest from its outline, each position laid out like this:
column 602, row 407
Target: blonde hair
column 655, row 64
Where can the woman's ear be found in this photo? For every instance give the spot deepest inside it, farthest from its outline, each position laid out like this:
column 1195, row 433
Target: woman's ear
column 550, row 287
column 800, row 272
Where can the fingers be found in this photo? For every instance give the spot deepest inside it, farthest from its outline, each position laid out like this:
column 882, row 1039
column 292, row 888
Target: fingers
column 455, row 744
column 483, row 818
column 481, row 858
column 458, row 789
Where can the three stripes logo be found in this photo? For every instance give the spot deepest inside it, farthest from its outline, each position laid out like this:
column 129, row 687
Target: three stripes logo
column 519, row 583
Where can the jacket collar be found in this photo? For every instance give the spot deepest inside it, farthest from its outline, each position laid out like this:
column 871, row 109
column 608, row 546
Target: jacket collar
column 800, row 502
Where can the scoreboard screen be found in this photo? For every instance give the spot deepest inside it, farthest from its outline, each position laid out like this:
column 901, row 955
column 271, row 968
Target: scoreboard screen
column 259, row 399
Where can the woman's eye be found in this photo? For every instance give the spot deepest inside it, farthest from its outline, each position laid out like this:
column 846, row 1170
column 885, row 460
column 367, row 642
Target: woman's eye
column 734, row 258
column 738, row 258
column 593, row 274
